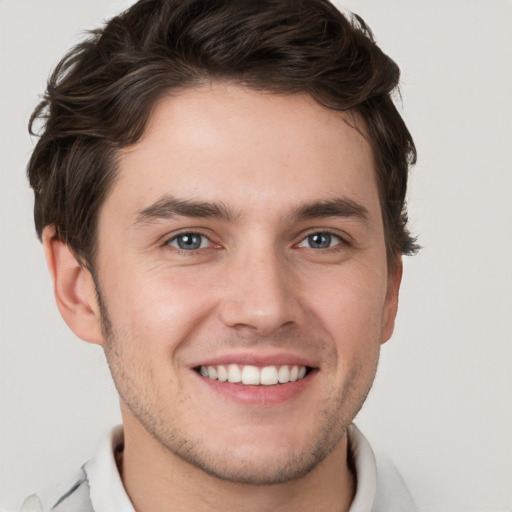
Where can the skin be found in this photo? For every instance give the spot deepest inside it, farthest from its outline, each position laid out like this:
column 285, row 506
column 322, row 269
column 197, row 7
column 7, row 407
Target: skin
column 256, row 289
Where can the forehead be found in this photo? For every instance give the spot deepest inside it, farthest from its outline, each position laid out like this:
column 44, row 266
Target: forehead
column 226, row 143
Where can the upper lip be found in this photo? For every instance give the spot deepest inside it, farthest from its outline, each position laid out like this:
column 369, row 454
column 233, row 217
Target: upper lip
column 256, row 359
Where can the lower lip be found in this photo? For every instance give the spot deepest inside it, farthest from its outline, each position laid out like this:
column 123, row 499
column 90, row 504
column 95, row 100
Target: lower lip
column 259, row 395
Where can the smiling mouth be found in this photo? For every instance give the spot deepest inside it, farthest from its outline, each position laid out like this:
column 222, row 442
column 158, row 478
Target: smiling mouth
column 253, row 375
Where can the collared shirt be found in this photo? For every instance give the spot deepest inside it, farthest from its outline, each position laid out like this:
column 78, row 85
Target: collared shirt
column 97, row 486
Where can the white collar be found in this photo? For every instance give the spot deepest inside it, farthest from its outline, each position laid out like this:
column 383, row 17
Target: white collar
column 107, row 491
column 365, row 468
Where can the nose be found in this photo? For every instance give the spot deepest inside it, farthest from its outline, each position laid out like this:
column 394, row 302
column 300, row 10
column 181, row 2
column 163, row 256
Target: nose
column 261, row 294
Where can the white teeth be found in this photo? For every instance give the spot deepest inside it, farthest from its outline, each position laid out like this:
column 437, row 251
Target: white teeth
column 234, row 373
column 284, row 374
column 252, row 375
column 269, row 376
column 222, row 373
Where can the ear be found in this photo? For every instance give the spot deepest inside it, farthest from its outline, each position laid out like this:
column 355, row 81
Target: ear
column 391, row 302
column 74, row 289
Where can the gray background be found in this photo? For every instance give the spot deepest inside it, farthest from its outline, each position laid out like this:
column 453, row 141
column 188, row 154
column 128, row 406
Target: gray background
column 442, row 402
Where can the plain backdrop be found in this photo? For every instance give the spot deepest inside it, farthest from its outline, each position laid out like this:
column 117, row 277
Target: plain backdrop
column 441, row 405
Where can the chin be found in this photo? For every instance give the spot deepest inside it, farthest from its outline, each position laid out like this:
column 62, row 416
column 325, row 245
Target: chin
column 263, row 461
column 271, row 470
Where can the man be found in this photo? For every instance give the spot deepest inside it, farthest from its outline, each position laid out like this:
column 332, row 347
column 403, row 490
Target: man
column 220, row 189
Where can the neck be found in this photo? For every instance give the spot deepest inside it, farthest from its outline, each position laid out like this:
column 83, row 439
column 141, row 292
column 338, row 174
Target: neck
column 156, row 480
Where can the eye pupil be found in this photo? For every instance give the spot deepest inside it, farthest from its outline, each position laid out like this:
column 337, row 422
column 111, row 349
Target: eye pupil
column 189, row 241
column 320, row 240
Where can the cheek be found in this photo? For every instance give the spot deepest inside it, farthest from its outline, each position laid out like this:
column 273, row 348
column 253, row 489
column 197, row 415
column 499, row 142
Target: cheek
column 349, row 306
column 158, row 308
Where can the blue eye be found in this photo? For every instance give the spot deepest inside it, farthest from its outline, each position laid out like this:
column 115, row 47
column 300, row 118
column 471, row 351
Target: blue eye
column 189, row 241
column 320, row 241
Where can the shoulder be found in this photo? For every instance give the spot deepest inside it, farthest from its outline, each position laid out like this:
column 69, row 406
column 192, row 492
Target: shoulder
column 71, row 495
column 96, row 486
column 391, row 492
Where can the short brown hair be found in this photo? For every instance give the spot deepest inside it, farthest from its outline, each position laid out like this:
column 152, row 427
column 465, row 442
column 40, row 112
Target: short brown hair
column 100, row 95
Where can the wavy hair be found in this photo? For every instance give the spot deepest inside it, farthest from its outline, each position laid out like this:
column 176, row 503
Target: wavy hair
column 100, row 96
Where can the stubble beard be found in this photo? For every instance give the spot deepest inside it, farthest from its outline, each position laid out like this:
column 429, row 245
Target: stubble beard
column 336, row 417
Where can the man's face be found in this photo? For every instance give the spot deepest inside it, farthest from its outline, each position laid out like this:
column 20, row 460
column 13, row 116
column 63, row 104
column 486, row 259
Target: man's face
column 243, row 239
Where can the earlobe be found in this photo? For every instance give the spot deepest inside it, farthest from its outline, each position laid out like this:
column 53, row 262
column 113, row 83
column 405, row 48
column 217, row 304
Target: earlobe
column 73, row 288
column 391, row 303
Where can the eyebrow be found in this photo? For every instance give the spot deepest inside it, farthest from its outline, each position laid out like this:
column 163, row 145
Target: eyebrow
column 338, row 207
column 170, row 207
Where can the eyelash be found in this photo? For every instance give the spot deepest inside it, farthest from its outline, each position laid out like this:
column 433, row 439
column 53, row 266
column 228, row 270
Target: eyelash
column 189, row 252
column 341, row 242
